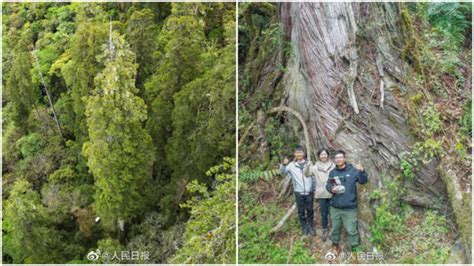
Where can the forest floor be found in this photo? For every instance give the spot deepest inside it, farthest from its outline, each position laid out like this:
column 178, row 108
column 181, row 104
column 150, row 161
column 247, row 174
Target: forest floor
column 424, row 237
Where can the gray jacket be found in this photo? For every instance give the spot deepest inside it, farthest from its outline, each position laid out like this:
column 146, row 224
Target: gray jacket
column 301, row 183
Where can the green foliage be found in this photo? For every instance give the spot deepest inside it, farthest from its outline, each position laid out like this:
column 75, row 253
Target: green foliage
column 210, row 233
column 429, row 238
column 448, row 27
column 191, row 98
column 431, row 120
column 407, row 167
column 28, row 235
column 29, row 145
column 299, row 254
column 112, row 248
column 453, row 19
column 427, row 150
column 107, row 165
column 62, row 175
column 281, row 141
column 387, row 215
column 119, row 150
column 248, row 175
column 79, row 66
column 276, row 35
column 180, row 49
column 153, row 236
column 256, row 243
column 402, row 234
column 422, row 152
column 19, row 86
column 141, row 35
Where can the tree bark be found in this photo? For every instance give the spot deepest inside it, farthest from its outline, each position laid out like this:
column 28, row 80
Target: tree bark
column 343, row 80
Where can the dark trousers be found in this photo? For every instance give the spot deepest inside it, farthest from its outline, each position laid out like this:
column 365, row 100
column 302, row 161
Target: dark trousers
column 305, row 209
column 324, row 210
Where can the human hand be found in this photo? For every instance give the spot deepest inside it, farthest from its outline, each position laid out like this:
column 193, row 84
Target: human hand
column 286, row 161
column 359, row 167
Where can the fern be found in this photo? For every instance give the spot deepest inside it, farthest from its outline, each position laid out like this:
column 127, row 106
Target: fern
column 251, row 175
column 453, row 19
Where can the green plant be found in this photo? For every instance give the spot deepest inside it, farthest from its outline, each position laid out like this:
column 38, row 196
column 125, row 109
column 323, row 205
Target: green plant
column 210, row 233
column 255, row 223
column 388, row 213
column 276, row 34
column 453, row 19
column 431, row 120
column 407, row 166
column 422, row 152
column 300, row 254
column 463, row 153
column 428, row 149
column 248, row 175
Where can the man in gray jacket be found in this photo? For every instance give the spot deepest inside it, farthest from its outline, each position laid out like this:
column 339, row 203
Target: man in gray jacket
column 303, row 187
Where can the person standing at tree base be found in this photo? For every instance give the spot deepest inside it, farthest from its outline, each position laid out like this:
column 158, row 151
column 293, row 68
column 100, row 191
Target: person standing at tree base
column 303, row 187
column 342, row 183
column 320, row 171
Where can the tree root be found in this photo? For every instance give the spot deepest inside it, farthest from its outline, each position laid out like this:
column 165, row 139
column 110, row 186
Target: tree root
column 303, row 123
column 283, row 220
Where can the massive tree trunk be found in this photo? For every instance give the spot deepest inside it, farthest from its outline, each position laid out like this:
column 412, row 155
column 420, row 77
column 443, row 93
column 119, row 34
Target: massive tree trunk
column 345, row 78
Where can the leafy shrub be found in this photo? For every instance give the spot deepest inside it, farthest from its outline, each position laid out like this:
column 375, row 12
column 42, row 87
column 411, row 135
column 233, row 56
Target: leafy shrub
column 453, row 19
column 407, row 167
column 210, row 232
column 431, row 120
column 29, row 145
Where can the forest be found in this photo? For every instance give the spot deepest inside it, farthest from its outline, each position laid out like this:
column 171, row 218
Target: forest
column 388, row 83
column 118, row 132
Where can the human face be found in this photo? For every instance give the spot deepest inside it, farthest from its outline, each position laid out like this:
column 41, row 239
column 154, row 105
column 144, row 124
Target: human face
column 323, row 156
column 299, row 155
column 340, row 160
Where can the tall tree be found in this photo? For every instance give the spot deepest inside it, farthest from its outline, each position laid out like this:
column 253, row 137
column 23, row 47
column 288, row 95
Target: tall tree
column 203, row 130
column 19, row 87
column 119, row 150
column 181, row 45
column 141, row 35
column 81, row 67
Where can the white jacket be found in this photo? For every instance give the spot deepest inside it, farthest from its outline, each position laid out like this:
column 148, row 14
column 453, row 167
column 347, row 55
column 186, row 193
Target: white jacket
column 301, row 183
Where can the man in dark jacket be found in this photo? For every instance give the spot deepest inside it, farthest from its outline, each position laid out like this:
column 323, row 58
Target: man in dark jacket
column 343, row 212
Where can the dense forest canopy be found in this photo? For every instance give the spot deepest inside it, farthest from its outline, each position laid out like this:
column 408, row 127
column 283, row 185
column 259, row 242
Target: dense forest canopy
column 113, row 113
column 389, row 83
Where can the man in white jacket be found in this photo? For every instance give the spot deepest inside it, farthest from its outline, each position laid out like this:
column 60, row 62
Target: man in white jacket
column 303, row 188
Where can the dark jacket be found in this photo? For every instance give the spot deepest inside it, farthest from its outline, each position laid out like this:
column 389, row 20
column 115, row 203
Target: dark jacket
column 348, row 177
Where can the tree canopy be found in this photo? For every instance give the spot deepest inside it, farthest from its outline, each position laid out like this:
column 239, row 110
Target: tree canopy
column 123, row 82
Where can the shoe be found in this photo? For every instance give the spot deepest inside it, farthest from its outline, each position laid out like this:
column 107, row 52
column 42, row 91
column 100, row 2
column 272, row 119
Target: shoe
column 325, row 234
column 304, row 230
